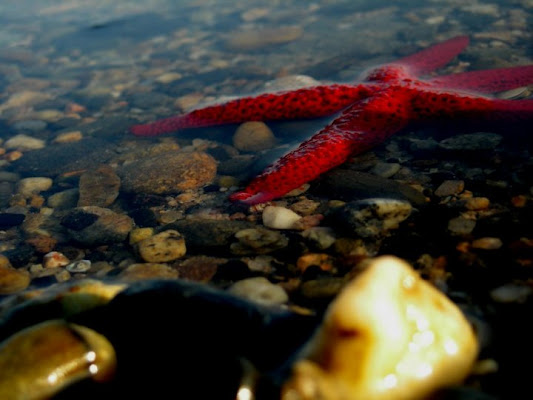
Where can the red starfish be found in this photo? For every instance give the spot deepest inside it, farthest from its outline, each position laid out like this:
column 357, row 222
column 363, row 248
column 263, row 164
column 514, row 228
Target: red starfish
column 390, row 98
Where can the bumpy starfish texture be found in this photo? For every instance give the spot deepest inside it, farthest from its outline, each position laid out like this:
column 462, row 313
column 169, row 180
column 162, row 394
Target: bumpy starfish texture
column 388, row 99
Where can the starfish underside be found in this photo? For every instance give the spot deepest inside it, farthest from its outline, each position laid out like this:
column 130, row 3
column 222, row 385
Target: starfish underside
column 386, row 100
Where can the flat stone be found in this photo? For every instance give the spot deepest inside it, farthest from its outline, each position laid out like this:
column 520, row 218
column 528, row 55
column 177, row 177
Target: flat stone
column 29, row 186
column 461, row 226
column 149, row 271
column 259, row 38
column 98, row 187
column 471, row 142
column 207, row 233
column 167, row 173
column 92, row 225
column 450, row 188
column 24, row 143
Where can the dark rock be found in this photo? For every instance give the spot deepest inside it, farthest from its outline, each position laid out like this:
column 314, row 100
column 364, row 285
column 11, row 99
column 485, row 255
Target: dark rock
column 99, row 187
column 144, row 217
column 55, row 160
column 9, row 220
column 353, row 185
column 78, row 220
column 21, row 255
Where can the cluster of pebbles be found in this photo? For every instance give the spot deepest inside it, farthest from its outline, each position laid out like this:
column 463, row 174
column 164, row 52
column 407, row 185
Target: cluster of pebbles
column 103, row 234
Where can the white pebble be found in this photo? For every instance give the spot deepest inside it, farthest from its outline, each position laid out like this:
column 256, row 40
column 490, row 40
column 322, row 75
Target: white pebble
column 259, row 290
column 55, row 259
column 79, row 266
column 279, row 217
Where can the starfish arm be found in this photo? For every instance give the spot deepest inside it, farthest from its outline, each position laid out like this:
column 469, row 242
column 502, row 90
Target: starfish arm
column 464, row 108
column 313, row 102
column 487, row 81
column 357, row 129
column 435, row 56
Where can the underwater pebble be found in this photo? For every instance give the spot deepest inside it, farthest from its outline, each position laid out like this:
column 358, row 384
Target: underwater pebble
column 79, row 266
column 64, row 200
column 279, row 217
column 138, row 234
column 321, row 260
column 372, row 217
column 30, row 125
column 415, row 341
column 29, row 186
column 98, row 187
column 168, row 245
column 323, row 288
column 55, row 259
column 168, row 77
column 206, row 233
column 24, row 143
column 487, row 243
column 385, row 170
column 477, row 203
column 320, row 237
column 259, row 38
column 449, row 188
column 41, row 360
column 149, row 271
column 258, row 241
column 461, row 226
column 13, row 280
column 290, row 82
column 68, row 137
column 168, row 173
column 471, row 142
column 92, row 225
column 253, row 136
column 511, row 293
column 259, row 290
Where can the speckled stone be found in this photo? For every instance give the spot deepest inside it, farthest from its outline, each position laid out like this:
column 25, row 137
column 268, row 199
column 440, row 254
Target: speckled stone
column 149, row 271
column 372, row 218
column 166, row 246
column 167, row 173
column 259, row 290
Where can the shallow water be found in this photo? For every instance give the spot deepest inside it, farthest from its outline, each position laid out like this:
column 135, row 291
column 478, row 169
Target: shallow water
column 76, row 75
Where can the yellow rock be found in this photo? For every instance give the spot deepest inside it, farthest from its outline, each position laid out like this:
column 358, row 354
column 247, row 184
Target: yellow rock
column 13, row 280
column 165, row 246
column 388, row 335
column 39, row 361
column 138, row 234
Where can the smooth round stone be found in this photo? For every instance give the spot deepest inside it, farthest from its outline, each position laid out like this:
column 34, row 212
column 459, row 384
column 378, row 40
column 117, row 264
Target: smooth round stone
column 24, row 143
column 487, row 243
column 321, row 237
column 253, row 136
column 257, row 39
column 450, row 188
column 511, row 293
column 165, row 246
column 65, row 199
column 461, row 226
column 13, row 280
column 477, row 203
column 138, row 234
column 279, row 217
column 259, row 290
column 385, row 170
column 29, row 186
column 68, row 137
